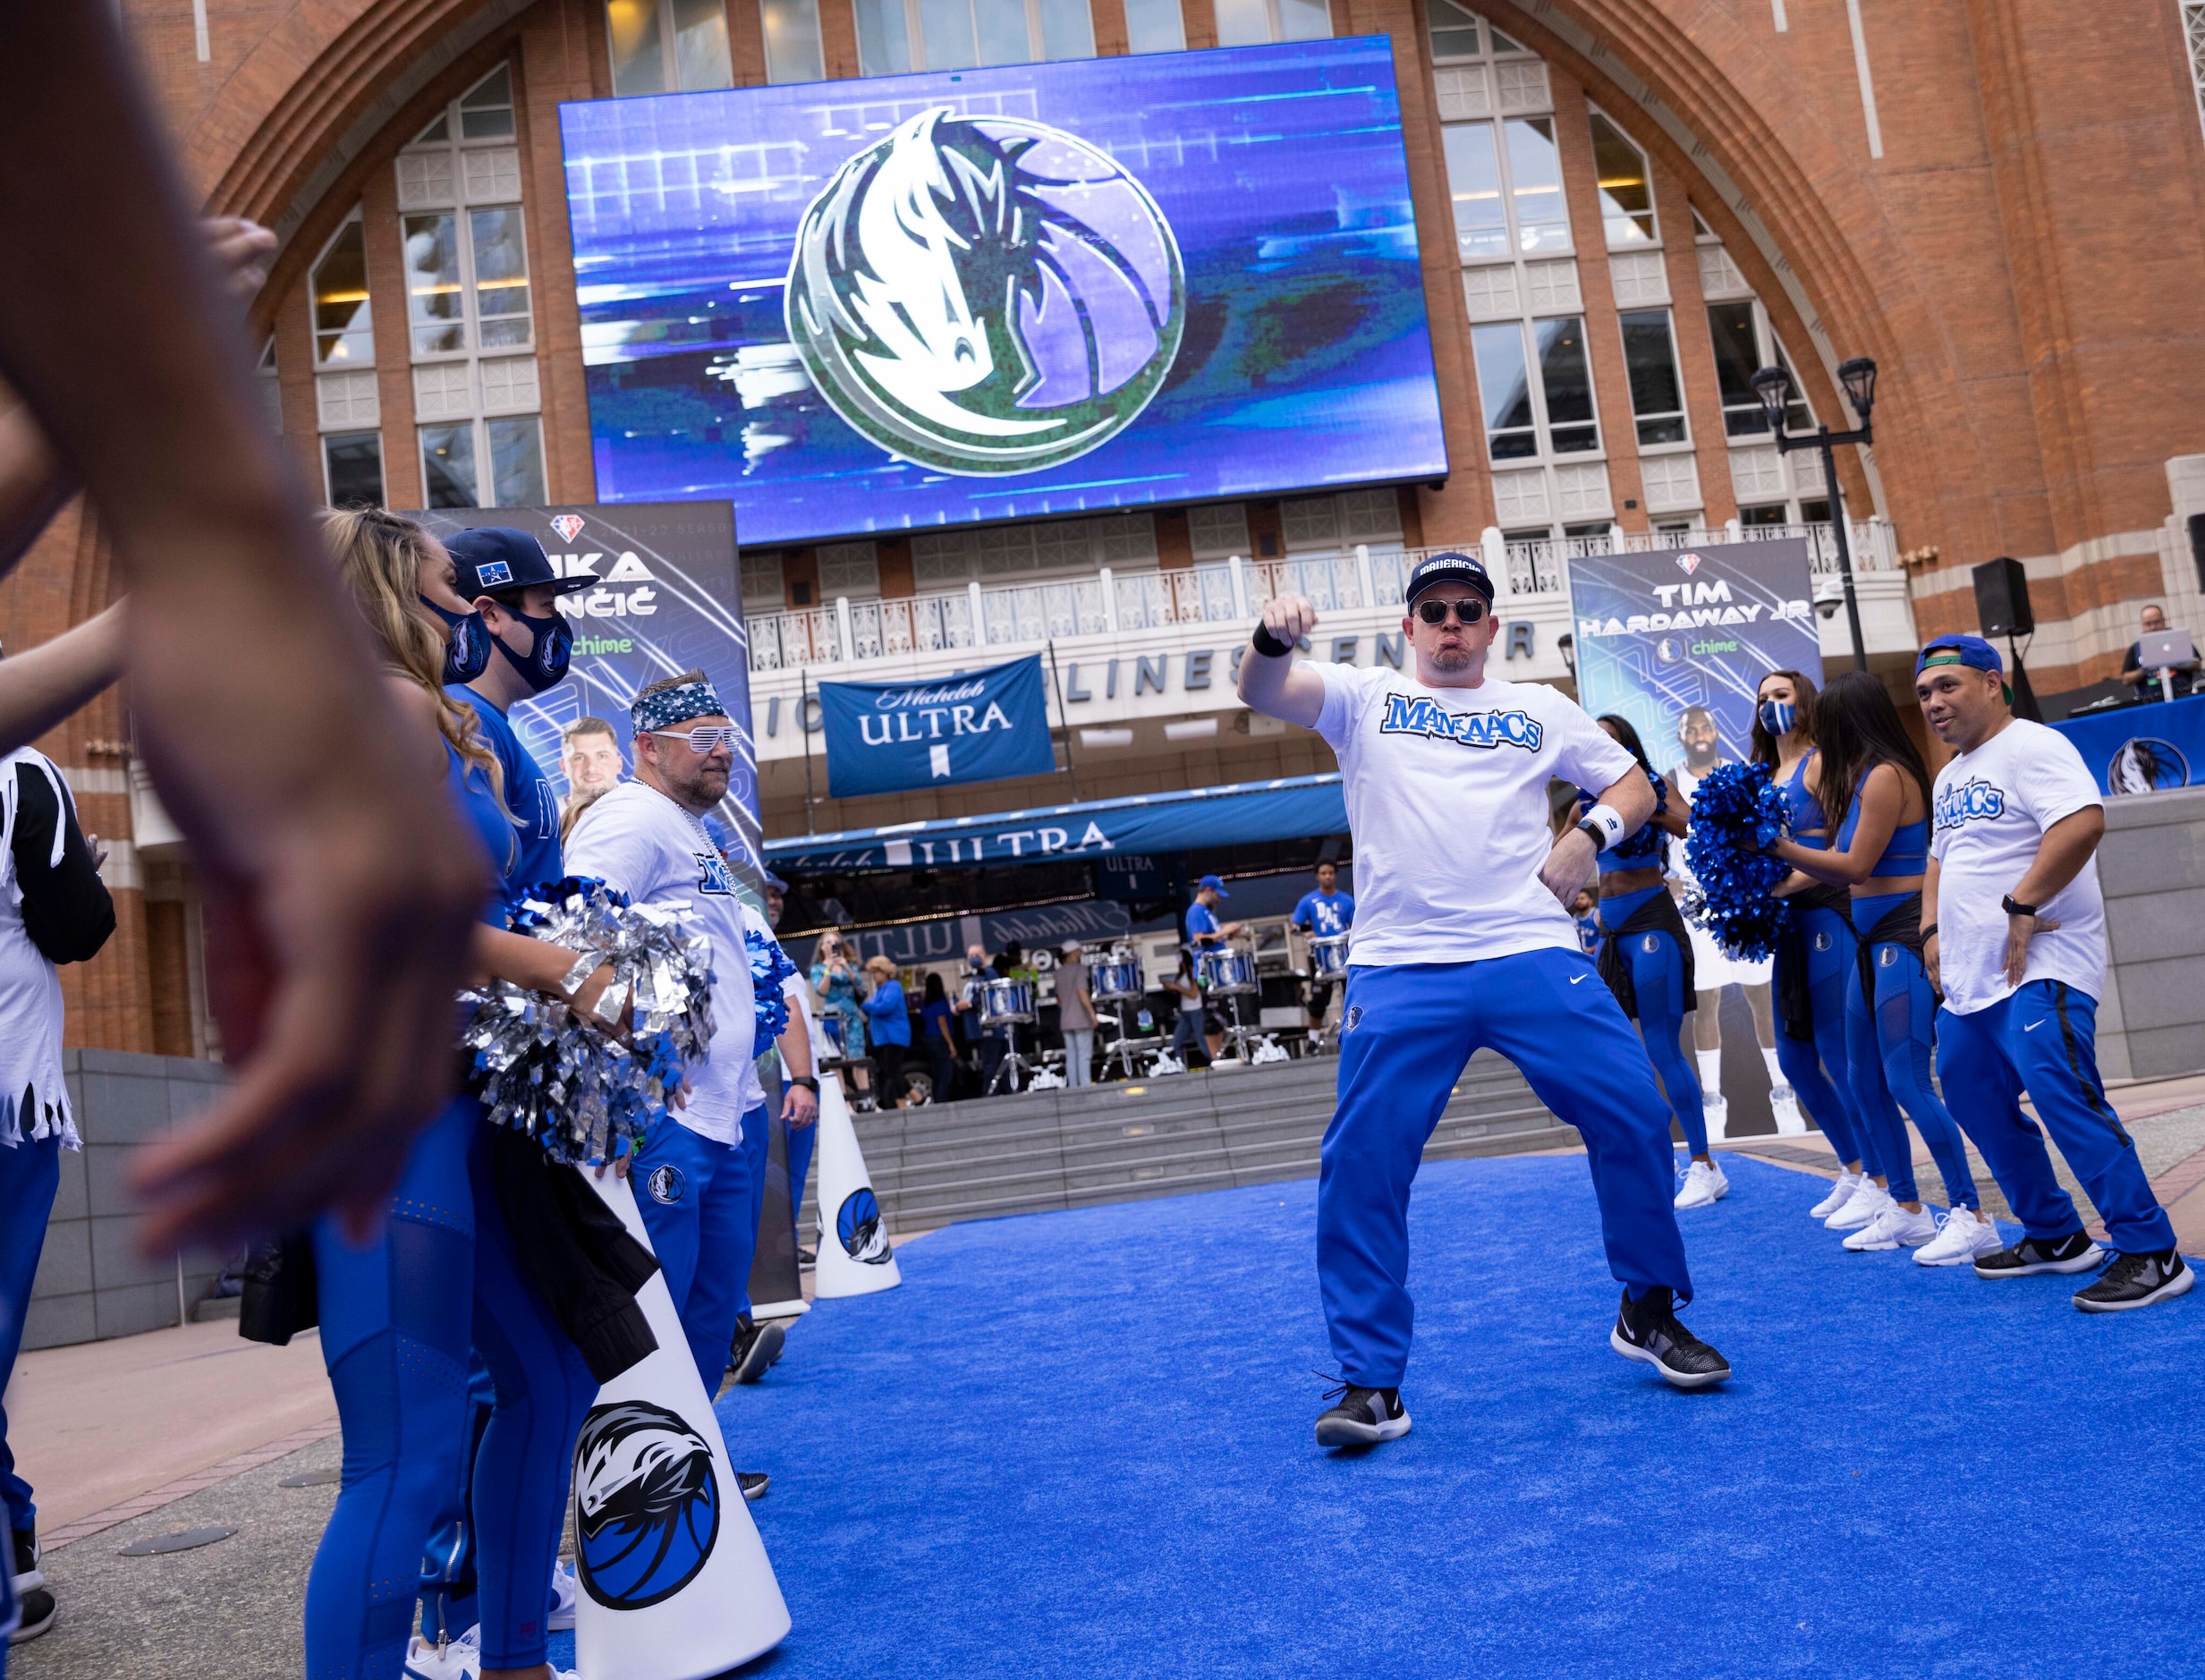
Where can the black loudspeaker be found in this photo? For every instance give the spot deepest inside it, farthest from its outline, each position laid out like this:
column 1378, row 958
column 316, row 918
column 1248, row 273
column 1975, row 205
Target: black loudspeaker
column 2197, row 546
column 2002, row 598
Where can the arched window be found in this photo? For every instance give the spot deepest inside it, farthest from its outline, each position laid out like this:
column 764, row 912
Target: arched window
column 1626, row 186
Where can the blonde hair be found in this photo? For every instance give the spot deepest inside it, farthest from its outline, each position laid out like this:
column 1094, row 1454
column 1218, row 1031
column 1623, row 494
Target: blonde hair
column 379, row 556
column 578, row 803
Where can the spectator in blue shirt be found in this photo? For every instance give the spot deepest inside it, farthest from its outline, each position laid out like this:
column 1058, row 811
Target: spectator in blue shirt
column 937, row 1024
column 1324, row 915
column 889, row 1024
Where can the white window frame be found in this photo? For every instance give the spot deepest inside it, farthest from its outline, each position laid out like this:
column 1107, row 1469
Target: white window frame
column 1497, row 128
column 816, row 67
column 669, row 55
column 355, row 220
column 1676, row 363
column 1593, row 112
column 1542, row 430
column 486, row 484
column 1769, row 351
column 1275, row 18
column 915, row 45
column 382, row 463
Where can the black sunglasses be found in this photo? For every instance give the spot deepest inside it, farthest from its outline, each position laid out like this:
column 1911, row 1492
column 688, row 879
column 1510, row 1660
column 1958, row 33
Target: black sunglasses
column 1467, row 611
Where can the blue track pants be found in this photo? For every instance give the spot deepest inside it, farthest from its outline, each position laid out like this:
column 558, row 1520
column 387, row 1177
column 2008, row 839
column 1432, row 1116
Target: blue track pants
column 804, row 1139
column 1830, row 942
column 1658, row 982
column 703, row 1227
column 29, row 1176
column 758, row 1162
column 1408, row 1031
column 1887, row 1054
column 2043, row 1039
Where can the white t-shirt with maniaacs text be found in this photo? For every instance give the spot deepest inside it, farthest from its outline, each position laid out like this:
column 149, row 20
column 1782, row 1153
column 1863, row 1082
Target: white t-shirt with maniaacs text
column 637, row 840
column 1992, row 808
column 1447, row 797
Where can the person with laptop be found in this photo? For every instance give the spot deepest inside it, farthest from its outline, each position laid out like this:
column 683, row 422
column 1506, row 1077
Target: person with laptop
column 2141, row 664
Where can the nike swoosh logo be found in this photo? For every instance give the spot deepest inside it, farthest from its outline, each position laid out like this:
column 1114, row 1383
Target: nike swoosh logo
column 2033, row 1026
column 1579, row 979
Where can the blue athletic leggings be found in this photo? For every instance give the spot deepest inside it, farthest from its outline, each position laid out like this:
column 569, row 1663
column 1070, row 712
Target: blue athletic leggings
column 1657, row 978
column 1830, row 942
column 29, row 1176
column 1888, row 1055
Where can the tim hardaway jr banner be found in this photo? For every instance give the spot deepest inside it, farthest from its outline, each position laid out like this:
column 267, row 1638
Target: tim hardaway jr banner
column 981, row 726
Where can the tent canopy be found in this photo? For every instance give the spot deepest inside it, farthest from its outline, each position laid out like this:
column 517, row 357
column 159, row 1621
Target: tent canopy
column 1297, row 807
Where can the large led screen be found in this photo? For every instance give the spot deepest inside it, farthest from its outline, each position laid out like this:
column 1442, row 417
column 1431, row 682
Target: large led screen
column 920, row 301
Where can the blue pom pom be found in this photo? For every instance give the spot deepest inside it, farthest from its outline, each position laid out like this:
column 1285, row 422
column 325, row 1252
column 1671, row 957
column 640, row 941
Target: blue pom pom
column 769, row 968
column 1737, row 811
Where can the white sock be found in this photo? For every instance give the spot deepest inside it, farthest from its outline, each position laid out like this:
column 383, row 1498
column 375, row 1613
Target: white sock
column 1711, row 1074
column 1776, row 1081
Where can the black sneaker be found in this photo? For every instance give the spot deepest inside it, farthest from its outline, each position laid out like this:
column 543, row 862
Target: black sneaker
column 753, row 1484
column 2137, row 1280
column 38, row 1611
column 2074, row 1252
column 28, row 1575
column 1362, row 1417
column 1647, row 1330
column 756, row 1347
column 807, row 1257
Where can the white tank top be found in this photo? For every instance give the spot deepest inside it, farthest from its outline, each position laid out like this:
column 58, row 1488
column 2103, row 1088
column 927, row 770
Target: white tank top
column 34, row 1095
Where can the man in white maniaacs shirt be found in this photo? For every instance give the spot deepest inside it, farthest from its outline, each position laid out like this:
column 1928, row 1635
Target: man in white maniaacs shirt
column 2013, row 933
column 1462, row 940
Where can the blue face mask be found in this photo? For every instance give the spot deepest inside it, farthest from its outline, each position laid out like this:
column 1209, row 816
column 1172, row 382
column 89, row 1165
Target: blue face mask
column 467, row 643
column 550, row 649
column 1777, row 717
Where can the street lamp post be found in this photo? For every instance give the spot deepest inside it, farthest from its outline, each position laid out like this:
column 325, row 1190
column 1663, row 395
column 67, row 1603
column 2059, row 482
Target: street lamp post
column 1858, row 376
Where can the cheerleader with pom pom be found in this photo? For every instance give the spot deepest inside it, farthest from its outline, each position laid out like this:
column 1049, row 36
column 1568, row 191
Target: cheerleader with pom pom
column 1646, row 957
column 1870, row 770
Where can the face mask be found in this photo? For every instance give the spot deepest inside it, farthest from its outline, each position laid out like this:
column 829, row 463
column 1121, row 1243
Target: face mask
column 1777, row 717
column 467, row 643
column 553, row 646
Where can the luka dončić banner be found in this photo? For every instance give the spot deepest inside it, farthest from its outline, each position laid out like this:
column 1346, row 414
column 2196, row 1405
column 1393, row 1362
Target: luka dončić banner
column 978, row 726
column 1678, row 639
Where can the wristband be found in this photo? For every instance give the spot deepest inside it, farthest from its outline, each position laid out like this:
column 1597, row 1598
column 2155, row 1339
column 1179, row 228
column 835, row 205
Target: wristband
column 810, row 1081
column 1605, row 827
column 1930, row 932
column 1270, row 646
column 2014, row 907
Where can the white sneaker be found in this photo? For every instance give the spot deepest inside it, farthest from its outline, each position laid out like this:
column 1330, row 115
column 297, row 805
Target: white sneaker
column 1864, row 1205
column 1784, row 1103
column 564, row 1590
column 462, row 1660
column 1716, row 1111
column 1704, row 1186
column 1891, row 1227
column 1841, row 1192
column 1962, row 1234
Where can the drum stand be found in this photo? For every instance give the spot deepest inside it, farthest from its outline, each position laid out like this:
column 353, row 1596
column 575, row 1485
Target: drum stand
column 1120, row 1053
column 1239, row 1037
column 1017, row 1067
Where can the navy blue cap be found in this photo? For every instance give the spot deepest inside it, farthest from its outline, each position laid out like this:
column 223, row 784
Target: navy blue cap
column 492, row 559
column 1968, row 651
column 776, row 883
column 1214, row 884
column 1448, row 566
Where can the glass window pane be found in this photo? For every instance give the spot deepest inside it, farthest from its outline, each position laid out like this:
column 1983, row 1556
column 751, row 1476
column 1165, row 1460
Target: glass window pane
column 1797, row 417
column 1243, row 23
column 946, row 34
column 1304, row 21
column 883, row 44
column 1737, row 356
column 433, row 285
column 448, row 464
column 793, row 52
column 639, row 60
column 352, row 463
column 1656, row 391
column 485, row 109
column 1474, row 183
column 517, row 460
column 501, row 276
column 700, row 58
column 1504, row 44
column 1454, row 31
column 1003, row 38
column 1535, row 172
column 1505, row 385
column 1815, row 512
column 343, row 334
column 1626, row 195
column 1773, row 514
column 1067, row 29
column 1155, row 26
column 1565, row 376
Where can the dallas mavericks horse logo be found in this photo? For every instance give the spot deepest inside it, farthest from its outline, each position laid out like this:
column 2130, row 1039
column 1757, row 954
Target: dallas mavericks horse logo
column 986, row 296
column 863, row 1237
column 2144, row 765
column 647, row 1505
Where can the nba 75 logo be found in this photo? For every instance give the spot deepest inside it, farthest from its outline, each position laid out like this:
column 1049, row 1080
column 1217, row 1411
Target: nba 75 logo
column 1967, row 801
column 1425, row 717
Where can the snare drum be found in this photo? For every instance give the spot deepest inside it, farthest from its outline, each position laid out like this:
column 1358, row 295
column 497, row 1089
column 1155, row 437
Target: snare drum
column 1229, row 973
column 1006, row 1002
column 1115, row 982
column 1329, row 957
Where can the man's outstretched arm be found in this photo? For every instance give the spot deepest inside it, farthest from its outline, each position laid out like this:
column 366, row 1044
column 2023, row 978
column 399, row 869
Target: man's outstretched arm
column 1272, row 682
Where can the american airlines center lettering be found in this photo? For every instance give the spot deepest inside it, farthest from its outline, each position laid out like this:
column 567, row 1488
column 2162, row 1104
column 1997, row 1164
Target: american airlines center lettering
column 1425, row 717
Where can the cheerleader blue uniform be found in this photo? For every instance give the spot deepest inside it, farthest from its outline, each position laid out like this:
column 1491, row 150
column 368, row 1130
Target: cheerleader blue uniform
column 1660, row 990
column 1889, row 1034
column 1827, row 945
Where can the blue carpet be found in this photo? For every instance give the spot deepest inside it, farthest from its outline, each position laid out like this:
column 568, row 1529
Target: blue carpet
column 1079, row 1444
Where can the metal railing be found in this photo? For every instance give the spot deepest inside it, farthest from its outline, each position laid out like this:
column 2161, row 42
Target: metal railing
column 1210, row 592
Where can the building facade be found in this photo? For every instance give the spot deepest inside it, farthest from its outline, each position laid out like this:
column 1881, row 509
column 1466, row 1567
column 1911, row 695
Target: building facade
column 1623, row 211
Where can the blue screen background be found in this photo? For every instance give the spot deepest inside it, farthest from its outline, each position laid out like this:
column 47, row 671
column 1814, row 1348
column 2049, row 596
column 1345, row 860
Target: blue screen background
column 1306, row 361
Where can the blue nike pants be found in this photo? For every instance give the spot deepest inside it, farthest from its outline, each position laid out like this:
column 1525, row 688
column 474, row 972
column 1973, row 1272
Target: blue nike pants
column 29, row 1176
column 757, row 1161
column 1888, row 1051
column 1658, row 987
column 2043, row 1039
column 1829, row 941
column 804, row 1139
column 1408, row 1031
column 703, row 1227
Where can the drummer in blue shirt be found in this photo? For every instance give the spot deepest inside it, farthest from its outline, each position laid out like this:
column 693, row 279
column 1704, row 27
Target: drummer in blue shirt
column 1205, row 932
column 1324, row 915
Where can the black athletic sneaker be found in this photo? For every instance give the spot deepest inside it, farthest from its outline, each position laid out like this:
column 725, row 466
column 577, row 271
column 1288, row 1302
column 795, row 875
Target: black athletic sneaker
column 2137, row 1280
column 28, row 1575
column 2074, row 1252
column 38, row 1609
column 757, row 1346
column 753, row 1484
column 1362, row 1417
column 1647, row 1330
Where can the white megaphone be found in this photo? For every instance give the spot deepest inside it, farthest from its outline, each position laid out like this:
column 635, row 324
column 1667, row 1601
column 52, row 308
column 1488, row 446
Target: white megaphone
column 854, row 1258
column 676, row 1585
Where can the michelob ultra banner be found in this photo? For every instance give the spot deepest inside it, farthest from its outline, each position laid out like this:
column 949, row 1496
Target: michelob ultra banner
column 1677, row 642
column 981, row 726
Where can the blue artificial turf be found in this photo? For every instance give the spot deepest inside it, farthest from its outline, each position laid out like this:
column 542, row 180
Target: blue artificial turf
column 1080, row 1445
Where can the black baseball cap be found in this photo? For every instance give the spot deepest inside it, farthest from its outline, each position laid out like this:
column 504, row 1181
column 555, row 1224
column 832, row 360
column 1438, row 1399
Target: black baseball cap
column 1448, row 566
column 496, row 559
